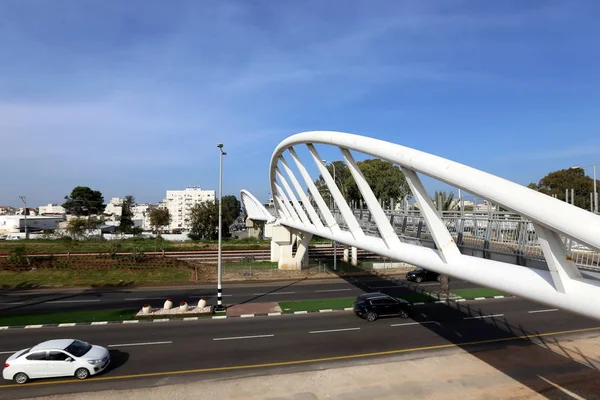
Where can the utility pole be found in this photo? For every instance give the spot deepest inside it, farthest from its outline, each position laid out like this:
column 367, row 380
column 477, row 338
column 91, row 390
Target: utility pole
column 24, row 200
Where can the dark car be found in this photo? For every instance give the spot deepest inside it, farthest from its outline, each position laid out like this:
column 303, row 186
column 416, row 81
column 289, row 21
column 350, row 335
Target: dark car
column 374, row 305
column 421, row 274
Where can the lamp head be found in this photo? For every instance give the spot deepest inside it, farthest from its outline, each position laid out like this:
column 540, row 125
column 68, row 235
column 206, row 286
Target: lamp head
column 220, row 145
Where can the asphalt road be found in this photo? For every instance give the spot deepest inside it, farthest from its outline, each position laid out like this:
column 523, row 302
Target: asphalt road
column 150, row 354
column 18, row 302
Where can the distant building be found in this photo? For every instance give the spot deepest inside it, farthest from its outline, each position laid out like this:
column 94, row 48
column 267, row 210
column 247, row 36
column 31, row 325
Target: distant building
column 114, row 209
column 16, row 223
column 7, row 210
column 179, row 203
column 30, row 211
column 51, row 210
column 141, row 215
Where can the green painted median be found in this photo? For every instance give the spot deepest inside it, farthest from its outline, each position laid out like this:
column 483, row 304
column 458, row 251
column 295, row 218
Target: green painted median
column 477, row 292
column 344, row 302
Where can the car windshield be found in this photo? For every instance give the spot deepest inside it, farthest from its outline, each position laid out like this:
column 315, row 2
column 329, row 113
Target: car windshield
column 78, row 348
column 419, row 269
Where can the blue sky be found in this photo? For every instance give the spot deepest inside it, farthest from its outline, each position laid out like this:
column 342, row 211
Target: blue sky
column 132, row 97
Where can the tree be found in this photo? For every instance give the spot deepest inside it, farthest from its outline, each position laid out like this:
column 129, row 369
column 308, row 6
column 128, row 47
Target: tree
column 126, row 224
column 444, row 201
column 204, row 220
column 231, row 210
column 557, row 182
column 84, row 201
column 160, row 217
column 77, row 227
column 385, row 179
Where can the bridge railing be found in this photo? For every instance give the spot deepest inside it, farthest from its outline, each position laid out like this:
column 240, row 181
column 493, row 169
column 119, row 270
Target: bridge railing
column 482, row 234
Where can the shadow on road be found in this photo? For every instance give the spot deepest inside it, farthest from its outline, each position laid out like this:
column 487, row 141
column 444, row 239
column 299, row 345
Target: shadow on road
column 117, row 359
column 553, row 370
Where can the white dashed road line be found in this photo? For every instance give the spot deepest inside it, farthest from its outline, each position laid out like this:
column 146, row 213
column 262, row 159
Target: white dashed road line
column 244, row 337
column 485, row 316
column 8, row 352
column 332, row 290
column 336, row 330
column 267, row 294
column 138, row 344
column 539, row 311
column 414, row 323
column 71, row 301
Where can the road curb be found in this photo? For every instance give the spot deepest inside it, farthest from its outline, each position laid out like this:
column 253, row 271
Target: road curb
column 217, row 317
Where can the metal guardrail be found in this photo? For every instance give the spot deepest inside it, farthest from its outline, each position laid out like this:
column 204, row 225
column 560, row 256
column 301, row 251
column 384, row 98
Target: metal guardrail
column 500, row 236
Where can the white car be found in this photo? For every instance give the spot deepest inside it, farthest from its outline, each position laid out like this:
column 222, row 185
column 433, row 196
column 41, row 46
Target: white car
column 54, row 358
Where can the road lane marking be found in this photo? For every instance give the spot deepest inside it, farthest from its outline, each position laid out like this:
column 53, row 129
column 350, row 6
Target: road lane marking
column 144, row 298
column 244, row 337
column 100, row 323
column 332, row 290
column 8, row 352
column 271, row 314
column 539, row 311
column 414, row 323
column 212, row 295
column 133, row 321
column 485, row 316
column 336, row 330
column 386, row 287
column 562, row 389
column 13, row 303
column 300, row 362
column 139, row 344
column 71, row 301
column 270, row 294
column 66, row 325
column 33, row 326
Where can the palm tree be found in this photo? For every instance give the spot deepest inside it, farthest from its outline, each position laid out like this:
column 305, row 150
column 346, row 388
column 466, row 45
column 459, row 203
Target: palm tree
column 444, row 201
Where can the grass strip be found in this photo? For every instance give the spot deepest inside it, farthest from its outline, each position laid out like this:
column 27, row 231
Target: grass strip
column 343, row 302
column 477, row 292
column 252, row 264
column 68, row 317
column 103, row 277
column 308, row 305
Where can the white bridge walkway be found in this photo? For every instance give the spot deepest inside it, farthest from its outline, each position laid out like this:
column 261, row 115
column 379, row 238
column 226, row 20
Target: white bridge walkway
column 532, row 252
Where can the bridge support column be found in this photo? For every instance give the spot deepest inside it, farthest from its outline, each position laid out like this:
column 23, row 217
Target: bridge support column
column 354, row 259
column 282, row 248
column 346, row 254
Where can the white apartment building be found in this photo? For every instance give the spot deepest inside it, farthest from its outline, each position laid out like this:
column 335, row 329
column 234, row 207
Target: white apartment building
column 179, row 202
column 52, row 209
column 114, row 209
column 141, row 215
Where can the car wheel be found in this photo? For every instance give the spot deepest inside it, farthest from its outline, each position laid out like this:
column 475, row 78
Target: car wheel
column 21, row 378
column 371, row 316
column 82, row 373
column 418, row 279
column 404, row 314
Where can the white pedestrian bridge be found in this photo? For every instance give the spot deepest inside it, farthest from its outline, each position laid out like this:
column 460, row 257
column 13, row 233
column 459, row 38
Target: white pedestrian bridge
column 544, row 249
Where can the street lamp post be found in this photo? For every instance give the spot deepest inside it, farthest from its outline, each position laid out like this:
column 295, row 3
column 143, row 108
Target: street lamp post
column 220, row 260
column 332, row 205
column 24, row 200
